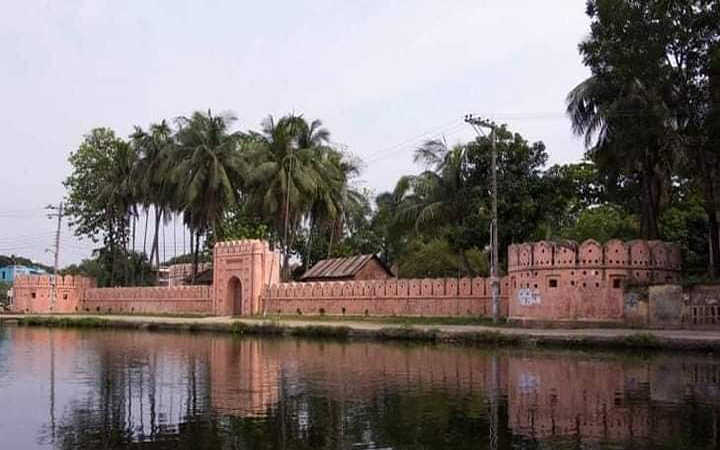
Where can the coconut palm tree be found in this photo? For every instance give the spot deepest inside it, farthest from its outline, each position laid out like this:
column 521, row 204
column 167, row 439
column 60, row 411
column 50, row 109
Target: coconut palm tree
column 287, row 175
column 207, row 169
column 437, row 198
column 154, row 184
column 629, row 131
column 119, row 195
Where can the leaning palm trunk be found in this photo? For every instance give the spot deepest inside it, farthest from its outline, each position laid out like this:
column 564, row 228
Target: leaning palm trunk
column 155, row 252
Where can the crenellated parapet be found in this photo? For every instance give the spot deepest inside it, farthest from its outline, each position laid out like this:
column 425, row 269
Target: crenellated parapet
column 45, row 281
column 175, row 293
column 241, row 247
column 413, row 297
column 37, row 293
column 644, row 261
column 390, row 288
column 570, row 281
column 241, row 270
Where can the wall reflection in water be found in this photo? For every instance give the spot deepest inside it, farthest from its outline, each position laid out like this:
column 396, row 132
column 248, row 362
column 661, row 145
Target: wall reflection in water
column 100, row 389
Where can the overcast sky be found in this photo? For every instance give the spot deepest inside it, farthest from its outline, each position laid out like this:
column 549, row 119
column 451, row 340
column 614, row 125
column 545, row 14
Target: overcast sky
column 382, row 75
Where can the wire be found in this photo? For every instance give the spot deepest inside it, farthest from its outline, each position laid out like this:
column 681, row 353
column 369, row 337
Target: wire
column 412, row 144
column 432, row 131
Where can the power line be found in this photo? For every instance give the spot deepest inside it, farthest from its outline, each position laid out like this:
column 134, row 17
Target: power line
column 415, row 143
column 432, row 131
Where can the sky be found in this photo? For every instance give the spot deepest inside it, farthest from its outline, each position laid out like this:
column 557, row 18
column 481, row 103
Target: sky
column 382, row 75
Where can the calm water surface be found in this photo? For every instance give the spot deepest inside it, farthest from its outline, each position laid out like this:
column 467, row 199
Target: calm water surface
column 119, row 389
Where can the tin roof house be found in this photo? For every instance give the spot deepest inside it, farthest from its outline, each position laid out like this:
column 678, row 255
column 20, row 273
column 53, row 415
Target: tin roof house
column 360, row 267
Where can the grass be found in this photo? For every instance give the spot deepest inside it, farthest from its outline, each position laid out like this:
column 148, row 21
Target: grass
column 406, row 333
column 64, row 322
column 316, row 331
column 644, row 341
column 394, row 320
column 641, row 340
column 491, row 338
column 242, row 328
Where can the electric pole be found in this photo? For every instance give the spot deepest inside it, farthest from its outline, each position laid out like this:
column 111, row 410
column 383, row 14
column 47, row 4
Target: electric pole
column 478, row 124
column 57, row 211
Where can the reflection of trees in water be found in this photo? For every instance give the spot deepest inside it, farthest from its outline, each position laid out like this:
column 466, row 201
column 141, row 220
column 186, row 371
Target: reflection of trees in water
column 183, row 395
column 136, row 396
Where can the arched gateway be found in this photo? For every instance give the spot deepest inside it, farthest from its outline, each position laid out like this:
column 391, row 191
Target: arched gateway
column 241, row 270
column 235, row 297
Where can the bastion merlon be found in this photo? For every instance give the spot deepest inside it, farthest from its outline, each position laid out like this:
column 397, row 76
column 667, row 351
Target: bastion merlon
column 643, row 261
column 545, row 281
column 566, row 281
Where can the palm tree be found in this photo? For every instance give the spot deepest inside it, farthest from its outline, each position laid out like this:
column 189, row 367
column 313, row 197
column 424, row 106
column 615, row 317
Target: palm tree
column 119, row 194
column 152, row 177
column 288, row 174
column 628, row 129
column 437, row 198
column 207, row 169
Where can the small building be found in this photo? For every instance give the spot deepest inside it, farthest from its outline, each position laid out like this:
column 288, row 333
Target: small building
column 360, row 267
column 8, row 273
column 203, row 277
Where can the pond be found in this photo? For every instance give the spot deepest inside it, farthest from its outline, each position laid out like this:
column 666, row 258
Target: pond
column 70, row 389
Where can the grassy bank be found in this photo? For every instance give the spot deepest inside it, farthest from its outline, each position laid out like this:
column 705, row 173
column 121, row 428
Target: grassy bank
column 643, row 341
column 390, row 320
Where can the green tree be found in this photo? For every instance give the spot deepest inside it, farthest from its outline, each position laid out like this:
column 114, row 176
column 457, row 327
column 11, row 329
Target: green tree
column 4, row 297
column 208, row 169
column 156, row 157
column 101, row 197
column 289, row 176
column 646, row 109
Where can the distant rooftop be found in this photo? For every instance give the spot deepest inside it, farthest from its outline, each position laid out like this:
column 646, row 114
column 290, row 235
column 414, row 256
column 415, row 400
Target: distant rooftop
column 341, row 268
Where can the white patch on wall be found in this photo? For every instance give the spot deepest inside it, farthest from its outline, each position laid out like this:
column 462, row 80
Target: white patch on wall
column 528, row 297
column 528, row 382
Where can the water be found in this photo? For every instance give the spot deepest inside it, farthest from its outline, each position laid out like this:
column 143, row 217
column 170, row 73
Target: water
column 151, row 390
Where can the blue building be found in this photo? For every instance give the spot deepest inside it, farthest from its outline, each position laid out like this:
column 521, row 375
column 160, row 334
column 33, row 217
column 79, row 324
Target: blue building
column 8, row 273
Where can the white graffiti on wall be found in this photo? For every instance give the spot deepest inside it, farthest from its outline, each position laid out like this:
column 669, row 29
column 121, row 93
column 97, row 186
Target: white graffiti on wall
column 528, row 297
column 528, row 382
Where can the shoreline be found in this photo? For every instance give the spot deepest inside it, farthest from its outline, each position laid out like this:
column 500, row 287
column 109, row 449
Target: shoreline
column 320, row 327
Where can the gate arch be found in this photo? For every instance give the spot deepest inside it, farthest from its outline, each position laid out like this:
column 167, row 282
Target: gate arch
column 234, row 303
column 242, row 270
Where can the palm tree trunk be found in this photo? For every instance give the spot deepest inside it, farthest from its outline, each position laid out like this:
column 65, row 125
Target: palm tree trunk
column 156, row 240
column 714, row 232
column 286, row 256
column 332, row 237
column 308, row 245
column 707, row 173
column 191, row 241
column 133, row 232
column 196, row 256
column 147, row 214
column 650, row 207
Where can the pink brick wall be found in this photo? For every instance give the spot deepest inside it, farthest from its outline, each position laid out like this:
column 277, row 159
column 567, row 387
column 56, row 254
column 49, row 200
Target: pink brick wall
column 551, row 281
column 149, row 300
column 546, row 281
column 32, row 293
column 417, row 297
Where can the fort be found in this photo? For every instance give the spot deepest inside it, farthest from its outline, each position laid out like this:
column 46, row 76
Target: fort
column 546, row 281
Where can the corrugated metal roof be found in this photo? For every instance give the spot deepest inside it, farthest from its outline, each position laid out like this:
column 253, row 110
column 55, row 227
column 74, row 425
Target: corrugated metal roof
column 337, row 267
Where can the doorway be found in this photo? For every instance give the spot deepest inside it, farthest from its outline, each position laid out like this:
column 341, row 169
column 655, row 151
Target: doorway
column 234, row 294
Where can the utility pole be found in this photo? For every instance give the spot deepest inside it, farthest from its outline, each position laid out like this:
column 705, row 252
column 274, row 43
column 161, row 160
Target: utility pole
column 58, row 212
column 478, row 124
